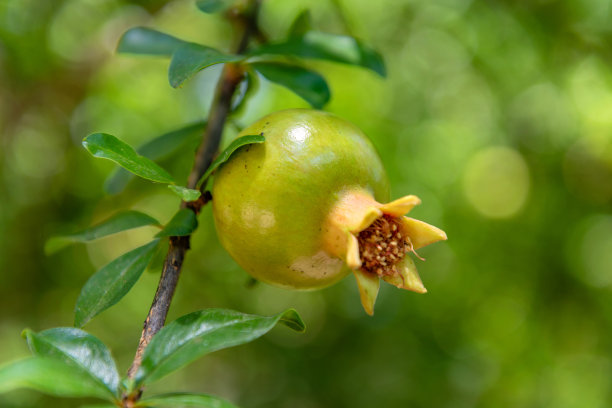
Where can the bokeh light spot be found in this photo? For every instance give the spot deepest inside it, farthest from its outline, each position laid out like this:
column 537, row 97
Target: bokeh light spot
column 587, row 173
column 496, row 182
column 596, row 252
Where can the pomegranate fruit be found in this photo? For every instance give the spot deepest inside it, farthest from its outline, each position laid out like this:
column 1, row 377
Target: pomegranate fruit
column 304, row 209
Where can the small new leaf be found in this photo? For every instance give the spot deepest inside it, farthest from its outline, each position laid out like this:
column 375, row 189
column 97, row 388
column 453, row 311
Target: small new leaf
column 78, row 348
column 307, row 84
column 142, row 40
column 225, row 155
column 191, row 58
column 50, row 376
column 185, row 399
column 117, row 223
column 107, row 286
column 183, row 223
column 186, row 194
column 196, row 334
column 109, row 147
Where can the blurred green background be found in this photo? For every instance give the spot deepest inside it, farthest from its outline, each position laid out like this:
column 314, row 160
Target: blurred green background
column 498, row 114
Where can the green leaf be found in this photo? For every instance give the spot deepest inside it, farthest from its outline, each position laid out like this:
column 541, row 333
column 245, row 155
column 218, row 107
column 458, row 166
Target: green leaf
column 196, row 334
column 107, row 286
column 307, row 84
column 191, row 58
column 50, row 376
column 158, row 148
column 245, row 89
column 76, row 347
column 168, row 143
column 225, row 155
column 183, row 223
column 109, row 147
column 185, row 399
column 117, row 223
column 337, row 48
column 142, row 40
column 214, row 6
column 186, row 194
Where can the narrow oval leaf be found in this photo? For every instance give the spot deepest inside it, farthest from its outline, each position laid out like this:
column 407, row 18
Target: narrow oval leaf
column 185, row 399
column 214, row 6
column 120, row 222
column 158, row 148
column 109, row 147
column 50, row 376
column 307, row 84
column 107, row 286
column 245, row 89
column 183, row 223
column 142, row 40
column 191, row 58
column 337, row 48
column 168, row 143
column 78, row 348
column 225, row 155
column 196, row 334
column 186, row 194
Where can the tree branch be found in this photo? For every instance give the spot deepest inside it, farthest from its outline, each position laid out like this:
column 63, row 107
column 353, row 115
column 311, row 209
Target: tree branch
column 231, row 77
column 221, row 106
column 163, row 296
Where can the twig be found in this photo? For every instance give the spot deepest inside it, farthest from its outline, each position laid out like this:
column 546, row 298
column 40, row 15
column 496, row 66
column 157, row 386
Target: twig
column 231, row 77
column 163, row 296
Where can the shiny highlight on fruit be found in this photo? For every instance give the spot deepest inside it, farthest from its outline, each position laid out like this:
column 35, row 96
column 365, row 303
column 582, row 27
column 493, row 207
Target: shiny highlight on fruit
column 303, row 209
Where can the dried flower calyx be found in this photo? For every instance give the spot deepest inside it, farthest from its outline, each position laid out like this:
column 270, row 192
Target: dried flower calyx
column 377, row 238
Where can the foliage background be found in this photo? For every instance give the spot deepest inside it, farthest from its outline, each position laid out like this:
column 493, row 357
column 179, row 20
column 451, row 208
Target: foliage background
column 498, row 114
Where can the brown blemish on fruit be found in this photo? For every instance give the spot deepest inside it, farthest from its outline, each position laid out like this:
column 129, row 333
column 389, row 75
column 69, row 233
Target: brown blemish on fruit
column 382, row 246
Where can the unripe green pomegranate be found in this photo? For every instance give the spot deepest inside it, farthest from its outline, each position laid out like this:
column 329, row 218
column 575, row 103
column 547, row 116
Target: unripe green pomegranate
column 303, row 209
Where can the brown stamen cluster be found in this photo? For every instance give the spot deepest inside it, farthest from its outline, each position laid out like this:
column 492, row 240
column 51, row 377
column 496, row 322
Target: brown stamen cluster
column 382, row 245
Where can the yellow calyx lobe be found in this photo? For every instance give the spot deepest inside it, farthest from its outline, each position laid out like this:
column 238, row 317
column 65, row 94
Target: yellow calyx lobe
column 373, row 239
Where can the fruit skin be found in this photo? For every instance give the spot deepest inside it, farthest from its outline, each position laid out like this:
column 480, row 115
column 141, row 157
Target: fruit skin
column 271, row 200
